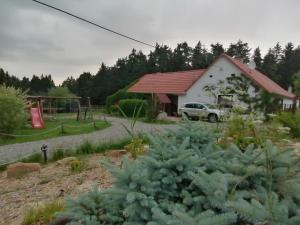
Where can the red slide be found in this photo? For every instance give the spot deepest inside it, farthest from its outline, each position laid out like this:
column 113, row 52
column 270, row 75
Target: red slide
column 36, row 118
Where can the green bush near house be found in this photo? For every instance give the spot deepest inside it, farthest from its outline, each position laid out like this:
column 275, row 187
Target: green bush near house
column 185, row 179
column 290, row 120
column 12, row 113
column 116, row 97
column 133, row 107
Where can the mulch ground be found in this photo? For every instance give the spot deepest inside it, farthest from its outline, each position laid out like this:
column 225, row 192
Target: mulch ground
column 52, row 182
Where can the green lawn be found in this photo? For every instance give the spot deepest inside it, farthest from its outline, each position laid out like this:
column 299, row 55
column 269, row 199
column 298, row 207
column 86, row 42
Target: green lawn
column 54, row 128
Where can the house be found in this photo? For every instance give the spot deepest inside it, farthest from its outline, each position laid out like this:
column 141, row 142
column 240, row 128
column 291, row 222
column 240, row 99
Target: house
column 173, row 89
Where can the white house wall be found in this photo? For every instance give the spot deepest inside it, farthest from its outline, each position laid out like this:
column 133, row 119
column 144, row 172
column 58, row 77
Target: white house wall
column 220, row 70
column 287, row 103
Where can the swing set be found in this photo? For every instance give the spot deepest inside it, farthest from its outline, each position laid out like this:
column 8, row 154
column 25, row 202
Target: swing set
column 51, row 105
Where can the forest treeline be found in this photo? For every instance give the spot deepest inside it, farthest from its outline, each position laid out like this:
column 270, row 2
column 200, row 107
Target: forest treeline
column 280, row 63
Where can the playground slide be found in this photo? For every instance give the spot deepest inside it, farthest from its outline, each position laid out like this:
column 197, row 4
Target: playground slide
column 36, row 118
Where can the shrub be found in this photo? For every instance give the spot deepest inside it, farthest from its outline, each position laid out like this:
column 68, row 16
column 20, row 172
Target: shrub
column 58, row 154
column 290, row 120
column 34, row 158
column 77, row 166
column 186, row 180
column 42, row 214
column 116, row 97
column 133, row 107
column 152, row 111
column 12, row 113
column 251, row 129
column 135, row 147
column 85, row 148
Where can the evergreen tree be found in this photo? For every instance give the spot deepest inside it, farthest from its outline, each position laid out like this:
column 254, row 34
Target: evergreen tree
column 270, row 66
column 216, row 50
column 182, row 57
column 185, row 179
column 239, row 50
column 159, row 60
column 286, row 66
column 84, row 84
column 71, row 84
column 257, row 58
column 201, row 58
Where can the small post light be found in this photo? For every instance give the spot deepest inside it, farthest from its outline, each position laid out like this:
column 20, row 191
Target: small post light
column 44, row 149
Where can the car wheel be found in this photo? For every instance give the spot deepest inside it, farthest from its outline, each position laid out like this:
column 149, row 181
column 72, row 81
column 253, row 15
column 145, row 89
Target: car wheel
column 213, row 118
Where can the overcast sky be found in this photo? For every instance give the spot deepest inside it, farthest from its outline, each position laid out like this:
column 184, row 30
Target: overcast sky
column 35, row 39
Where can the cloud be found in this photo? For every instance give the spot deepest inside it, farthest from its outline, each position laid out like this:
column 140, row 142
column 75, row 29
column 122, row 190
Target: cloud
column 36, row 40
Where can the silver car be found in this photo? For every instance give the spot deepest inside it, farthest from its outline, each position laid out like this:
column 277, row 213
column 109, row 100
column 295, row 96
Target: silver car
column 202, row 111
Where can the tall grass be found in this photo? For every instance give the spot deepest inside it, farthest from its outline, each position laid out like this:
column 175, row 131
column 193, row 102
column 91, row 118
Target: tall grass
column 43, row 213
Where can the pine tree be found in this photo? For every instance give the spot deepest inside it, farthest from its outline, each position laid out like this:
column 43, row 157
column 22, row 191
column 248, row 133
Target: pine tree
column 182, row 57
column 257, row 58
column 239, row 50
column 216, row 50
column 186, row 179
column 201, row 58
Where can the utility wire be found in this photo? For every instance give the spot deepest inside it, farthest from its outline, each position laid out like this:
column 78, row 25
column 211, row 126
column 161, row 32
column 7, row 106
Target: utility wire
column 97, row 25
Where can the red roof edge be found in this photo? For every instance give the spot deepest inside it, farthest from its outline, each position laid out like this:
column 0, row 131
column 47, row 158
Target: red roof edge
column 248, row 73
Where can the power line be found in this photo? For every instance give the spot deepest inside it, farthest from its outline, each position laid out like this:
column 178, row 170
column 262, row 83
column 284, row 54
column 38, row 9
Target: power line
column 97, row 25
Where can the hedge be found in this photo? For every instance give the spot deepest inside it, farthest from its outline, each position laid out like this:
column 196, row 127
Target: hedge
column 119, row 95
column 133, row 107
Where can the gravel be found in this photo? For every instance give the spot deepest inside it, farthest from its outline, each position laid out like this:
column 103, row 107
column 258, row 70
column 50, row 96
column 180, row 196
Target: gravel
column 14, row 152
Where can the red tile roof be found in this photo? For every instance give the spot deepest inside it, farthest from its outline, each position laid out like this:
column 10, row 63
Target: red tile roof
column 167, row 83
column 179, row 82
column 260, row 79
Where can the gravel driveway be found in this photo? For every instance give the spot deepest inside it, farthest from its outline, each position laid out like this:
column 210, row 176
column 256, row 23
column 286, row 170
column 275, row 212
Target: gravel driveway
column 10, row 153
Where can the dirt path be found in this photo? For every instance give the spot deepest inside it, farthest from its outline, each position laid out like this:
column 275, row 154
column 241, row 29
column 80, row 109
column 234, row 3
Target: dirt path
column 115, row 132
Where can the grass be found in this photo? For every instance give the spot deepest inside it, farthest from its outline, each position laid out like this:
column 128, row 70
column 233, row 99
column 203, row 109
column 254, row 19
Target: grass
column 85, row 149
column 78, row 166
column 64, row 127
column 42, row 214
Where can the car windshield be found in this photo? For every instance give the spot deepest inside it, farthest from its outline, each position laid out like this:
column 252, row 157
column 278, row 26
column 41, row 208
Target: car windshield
column 210, row 106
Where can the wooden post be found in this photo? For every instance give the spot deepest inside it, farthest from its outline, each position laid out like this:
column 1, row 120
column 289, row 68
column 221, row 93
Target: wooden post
column 78, row 111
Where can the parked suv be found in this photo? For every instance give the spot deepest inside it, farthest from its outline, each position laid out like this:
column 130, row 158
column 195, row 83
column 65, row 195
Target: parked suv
column 202, row 111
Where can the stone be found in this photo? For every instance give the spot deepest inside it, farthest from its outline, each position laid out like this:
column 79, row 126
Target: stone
column 115, row 153
column 146, row 148
column 18, row 169
column 66, row 161
column 162, row 116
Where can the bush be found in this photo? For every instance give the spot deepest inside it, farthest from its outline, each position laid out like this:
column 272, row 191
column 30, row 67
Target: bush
column 135, row 147
column 251, row 129
column 42, row 214
column 187, row 180
column 290, row 120
column 133, row 107
column 78, row 166
column 58, row 154
column 12, row 113
column 85, row 148
column 116, row 97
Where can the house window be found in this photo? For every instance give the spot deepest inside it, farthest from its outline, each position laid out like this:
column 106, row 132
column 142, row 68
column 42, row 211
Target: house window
column 225, row 100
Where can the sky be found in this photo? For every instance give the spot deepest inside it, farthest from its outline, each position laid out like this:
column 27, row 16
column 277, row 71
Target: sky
column 37, row 40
